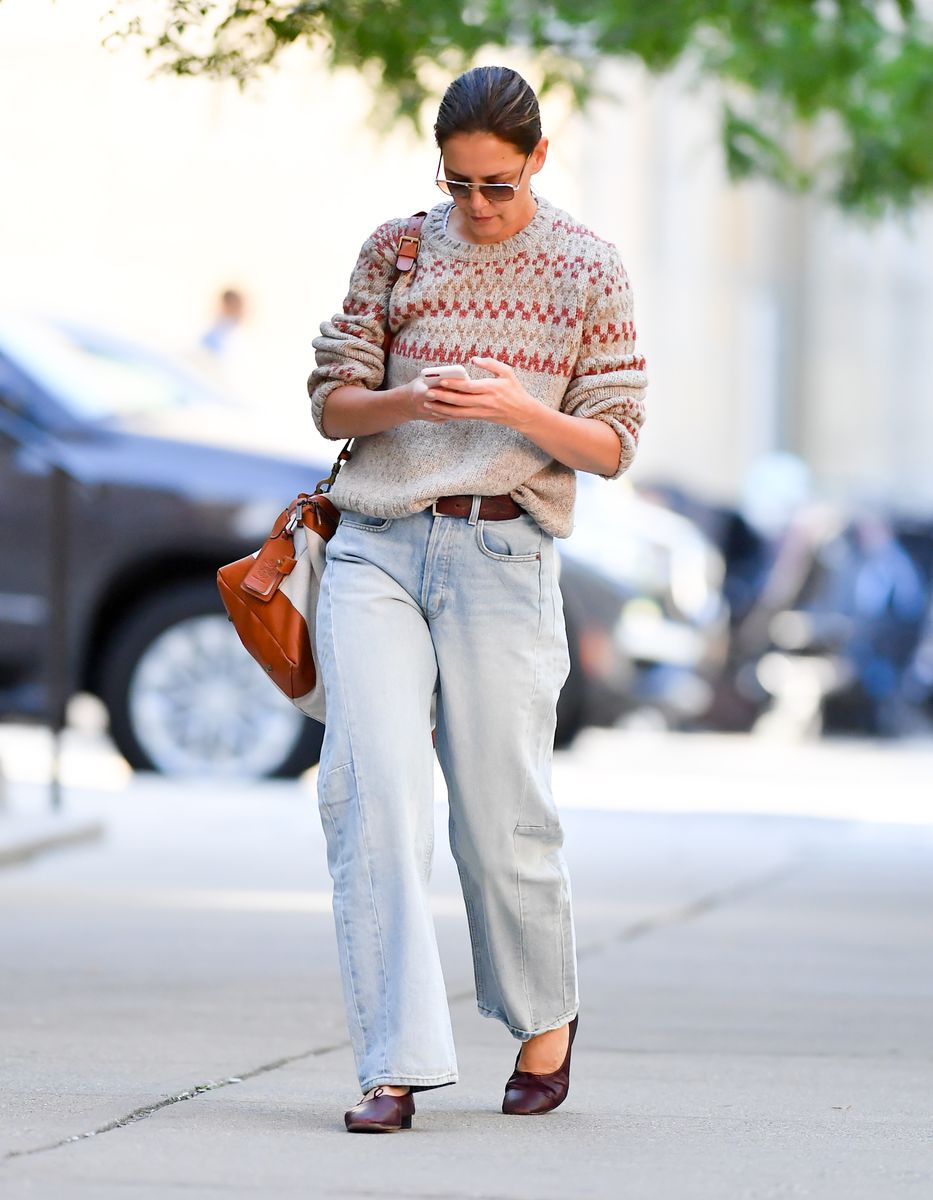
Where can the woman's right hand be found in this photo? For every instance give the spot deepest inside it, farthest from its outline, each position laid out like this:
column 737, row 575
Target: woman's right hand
column 416, row 392
column 354, row 411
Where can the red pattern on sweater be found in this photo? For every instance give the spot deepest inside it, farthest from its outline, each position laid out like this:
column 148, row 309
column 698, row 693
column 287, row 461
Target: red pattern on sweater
column 481, row 310
column 518, row 360
column 629, row 363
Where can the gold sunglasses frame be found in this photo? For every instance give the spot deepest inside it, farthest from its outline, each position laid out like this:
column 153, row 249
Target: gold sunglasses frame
column 482, row 188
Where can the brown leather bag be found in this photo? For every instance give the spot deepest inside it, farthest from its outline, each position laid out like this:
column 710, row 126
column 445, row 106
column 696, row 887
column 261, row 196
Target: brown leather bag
column 271, row 595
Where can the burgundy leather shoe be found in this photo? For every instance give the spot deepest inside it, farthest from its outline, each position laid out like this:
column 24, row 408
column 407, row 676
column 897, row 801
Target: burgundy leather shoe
column 527, row 1094
column 381, row 1113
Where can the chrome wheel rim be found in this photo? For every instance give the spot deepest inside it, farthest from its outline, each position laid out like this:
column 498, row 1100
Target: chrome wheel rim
column 200, row 705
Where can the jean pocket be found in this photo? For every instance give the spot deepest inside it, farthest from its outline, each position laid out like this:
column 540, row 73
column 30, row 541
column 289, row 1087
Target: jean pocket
column 516, row 540
column 365, row 521
column 337, row 786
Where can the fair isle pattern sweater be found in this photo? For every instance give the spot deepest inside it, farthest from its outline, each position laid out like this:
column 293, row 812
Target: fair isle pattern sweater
column 553, row 301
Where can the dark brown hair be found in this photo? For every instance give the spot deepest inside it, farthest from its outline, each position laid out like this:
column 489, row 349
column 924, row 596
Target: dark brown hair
column 490, row 100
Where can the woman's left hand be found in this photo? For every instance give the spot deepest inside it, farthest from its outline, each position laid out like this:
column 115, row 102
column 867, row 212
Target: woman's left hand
column 501, row 399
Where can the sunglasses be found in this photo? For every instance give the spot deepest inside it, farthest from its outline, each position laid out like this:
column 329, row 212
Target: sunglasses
column 496, row 193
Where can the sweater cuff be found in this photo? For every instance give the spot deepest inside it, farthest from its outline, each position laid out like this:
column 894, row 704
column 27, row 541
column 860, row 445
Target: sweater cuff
column 627, row 443
column 318, row 396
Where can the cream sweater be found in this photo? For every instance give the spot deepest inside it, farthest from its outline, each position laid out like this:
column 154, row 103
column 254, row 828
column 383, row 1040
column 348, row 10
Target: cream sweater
column 553, row 301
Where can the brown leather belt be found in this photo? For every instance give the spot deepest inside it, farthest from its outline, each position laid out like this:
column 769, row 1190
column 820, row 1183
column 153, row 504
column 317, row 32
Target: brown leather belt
column 491, row 508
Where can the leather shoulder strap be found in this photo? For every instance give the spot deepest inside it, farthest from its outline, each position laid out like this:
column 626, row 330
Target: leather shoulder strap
column 409, row 243
column 406, row 255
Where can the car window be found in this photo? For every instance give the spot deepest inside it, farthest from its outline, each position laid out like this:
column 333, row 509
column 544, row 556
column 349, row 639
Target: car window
column 100, row 379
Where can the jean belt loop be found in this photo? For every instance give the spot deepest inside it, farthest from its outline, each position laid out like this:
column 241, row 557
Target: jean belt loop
column 474, row 509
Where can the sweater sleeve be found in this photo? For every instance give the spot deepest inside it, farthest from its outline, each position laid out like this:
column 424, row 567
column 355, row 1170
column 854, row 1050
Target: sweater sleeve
column 349, row 349
column 609, row 381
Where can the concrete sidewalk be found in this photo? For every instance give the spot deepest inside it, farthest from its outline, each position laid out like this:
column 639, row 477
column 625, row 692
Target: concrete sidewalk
column 755, row 1018
column 33, row 825
column 26, row 835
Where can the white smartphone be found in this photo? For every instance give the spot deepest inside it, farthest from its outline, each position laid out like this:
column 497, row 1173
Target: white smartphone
column 432, row 374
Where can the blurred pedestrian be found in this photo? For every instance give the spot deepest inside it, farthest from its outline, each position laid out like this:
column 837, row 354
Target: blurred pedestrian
column 442, row 575
column 229, row 315
column 230, row 355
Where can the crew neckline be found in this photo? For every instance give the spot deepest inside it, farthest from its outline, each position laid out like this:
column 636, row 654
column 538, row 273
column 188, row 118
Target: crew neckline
column 435, row 233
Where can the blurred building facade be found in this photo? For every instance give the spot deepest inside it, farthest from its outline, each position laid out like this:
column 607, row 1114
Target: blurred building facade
column 768, row 322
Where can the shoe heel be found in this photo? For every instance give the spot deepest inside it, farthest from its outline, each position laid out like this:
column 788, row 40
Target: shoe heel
column 406, row 1122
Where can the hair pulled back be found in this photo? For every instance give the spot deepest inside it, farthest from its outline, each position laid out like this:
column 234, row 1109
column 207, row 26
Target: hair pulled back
column 493, row 100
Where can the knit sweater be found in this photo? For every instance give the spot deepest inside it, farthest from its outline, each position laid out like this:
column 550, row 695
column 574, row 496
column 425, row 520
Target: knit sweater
column 553, row 301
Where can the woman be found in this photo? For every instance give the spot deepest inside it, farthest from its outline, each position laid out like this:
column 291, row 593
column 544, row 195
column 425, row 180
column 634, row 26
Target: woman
column 442, row 584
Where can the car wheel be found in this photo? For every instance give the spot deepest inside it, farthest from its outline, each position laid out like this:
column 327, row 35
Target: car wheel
column 185, row 698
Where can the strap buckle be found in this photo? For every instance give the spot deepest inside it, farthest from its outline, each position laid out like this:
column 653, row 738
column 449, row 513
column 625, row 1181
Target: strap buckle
column 325, row 485
column 401, row 253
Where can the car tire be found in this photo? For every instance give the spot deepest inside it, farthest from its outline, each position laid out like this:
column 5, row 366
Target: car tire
column 174, row 672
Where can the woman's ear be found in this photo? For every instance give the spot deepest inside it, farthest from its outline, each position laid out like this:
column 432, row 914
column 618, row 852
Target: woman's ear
column 538, row 157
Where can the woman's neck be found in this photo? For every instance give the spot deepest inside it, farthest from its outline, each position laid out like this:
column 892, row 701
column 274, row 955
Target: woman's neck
column 501, row 226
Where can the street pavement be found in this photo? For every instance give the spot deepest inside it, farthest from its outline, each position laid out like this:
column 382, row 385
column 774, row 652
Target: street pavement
column 755, row 931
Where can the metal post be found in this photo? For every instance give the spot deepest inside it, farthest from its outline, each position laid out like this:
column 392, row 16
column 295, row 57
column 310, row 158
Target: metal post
column 58, row 641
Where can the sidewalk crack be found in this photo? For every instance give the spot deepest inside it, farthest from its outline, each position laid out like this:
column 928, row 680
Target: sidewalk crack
column 140, row 1114
column 641, row 928
column 695, row 908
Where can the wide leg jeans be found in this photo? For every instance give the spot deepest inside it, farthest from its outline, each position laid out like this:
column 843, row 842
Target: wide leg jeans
column 469, row 610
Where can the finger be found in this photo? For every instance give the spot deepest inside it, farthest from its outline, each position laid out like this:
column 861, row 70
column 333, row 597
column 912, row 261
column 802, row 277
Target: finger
column 435, row 411
column 494, row 366
column 452, row 399
column 452, row 412
column 460, row 385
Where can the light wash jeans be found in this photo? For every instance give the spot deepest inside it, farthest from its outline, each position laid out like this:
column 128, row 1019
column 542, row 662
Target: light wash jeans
column 471, row 609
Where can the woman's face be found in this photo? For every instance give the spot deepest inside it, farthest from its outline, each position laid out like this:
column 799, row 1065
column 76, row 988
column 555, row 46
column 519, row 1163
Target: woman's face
column 485, row 158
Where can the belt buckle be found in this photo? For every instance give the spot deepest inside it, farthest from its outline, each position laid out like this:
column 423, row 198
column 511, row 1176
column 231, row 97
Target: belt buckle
column 434, row 512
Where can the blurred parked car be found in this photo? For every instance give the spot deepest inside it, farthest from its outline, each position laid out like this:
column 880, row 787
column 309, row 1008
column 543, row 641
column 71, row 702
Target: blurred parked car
column 665, row 646
column 126, row 479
